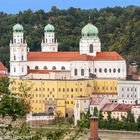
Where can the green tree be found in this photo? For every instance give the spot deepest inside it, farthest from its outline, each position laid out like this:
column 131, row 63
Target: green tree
column 130, row 117
column 95, row 111
column 11, row 106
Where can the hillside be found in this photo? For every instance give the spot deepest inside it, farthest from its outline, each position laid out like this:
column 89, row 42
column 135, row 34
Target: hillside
column 119, row 29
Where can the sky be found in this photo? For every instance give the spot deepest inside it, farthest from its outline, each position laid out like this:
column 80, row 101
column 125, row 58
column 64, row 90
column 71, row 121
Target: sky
column 14, row 6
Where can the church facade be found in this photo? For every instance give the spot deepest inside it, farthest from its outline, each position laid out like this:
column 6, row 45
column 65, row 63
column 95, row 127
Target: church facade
column 88, row 62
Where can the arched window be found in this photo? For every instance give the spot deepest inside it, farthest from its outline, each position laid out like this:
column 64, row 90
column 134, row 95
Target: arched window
column 45, row 68
column 75, row 72
column 28, row 67
column 14, row 57
column 100, row 70
column 22, row 57
column 114, row 70
column 46, row 40
column 89, row 70
column 119, row 70
column 105, row 70
column 62, row 68
column 110, row 70
column 53, row 68
column 36, row 67
column 82, row 72
column 91, row 48
column 95, row 70
column 14, row 69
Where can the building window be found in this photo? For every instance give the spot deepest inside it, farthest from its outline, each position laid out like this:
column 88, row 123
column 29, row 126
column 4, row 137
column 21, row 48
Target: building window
column 53, row 68
column 114, row 70
column 75, row 72
column 82, row 72
column 127, row 89
column 89, row 70
column 22, row 57
column 45, row 68
column 14, row 69
column 71, row 89
column 28, row 67
column 36, row 67
column 53, row 89
column 91, row 48
column 62, row 68
column 105, row 70
column 14, row 57
column 100, row 70
column 22, row 69
column 119, row 70
column 95, row 70
column 110, row 70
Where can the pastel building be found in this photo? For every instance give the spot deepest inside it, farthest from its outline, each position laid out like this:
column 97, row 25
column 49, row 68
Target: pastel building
column 86, row 63
column 59, row 95
column 106, row 88
column 98, row 102
column 129, row 92
column 118, row 111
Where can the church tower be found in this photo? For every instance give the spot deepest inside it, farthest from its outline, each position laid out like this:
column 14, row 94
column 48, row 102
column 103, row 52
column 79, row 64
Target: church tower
column 49, row 44
column 18, row 53
column 90, row 43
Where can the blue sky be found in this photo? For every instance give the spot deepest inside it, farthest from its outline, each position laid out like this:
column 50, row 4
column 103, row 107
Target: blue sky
column 14, row 6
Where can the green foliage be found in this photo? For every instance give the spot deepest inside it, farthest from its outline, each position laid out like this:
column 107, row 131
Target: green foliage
column 95, row 112
column 11, row 106
column 119, row 29
column 130, row 117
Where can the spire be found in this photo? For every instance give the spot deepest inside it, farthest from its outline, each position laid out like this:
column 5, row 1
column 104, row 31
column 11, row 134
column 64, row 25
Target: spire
column 89, row 19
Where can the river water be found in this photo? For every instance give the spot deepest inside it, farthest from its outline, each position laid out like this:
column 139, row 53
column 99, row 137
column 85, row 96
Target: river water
column 119, row 137
column 106, row 136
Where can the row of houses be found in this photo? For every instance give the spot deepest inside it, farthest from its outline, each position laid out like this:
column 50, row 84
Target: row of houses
column 103, row 105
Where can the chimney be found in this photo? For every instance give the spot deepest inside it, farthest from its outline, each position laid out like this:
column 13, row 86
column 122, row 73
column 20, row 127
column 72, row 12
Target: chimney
column 94, row 128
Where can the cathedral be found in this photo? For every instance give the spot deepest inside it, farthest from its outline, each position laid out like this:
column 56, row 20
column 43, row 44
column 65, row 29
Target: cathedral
column 87, row 63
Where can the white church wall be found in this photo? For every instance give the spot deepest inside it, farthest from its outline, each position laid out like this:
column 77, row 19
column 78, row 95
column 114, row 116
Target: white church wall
column 49, row 64
column 114, row 69
column 79, row 65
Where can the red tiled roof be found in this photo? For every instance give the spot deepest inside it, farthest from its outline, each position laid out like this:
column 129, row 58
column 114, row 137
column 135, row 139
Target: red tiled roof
column 44, row 71
column 109, row 107
column 123, row 108
column 117, row 107
column 3, row 75
column 2, row 67
column 108, row 56
column 70, row 56
column 96, row 101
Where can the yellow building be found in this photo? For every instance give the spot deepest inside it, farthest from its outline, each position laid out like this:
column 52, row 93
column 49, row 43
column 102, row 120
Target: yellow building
column 106, row 88
column 59, row 95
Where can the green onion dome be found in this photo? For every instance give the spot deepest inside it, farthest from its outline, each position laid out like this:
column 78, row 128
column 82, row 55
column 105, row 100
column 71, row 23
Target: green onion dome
column 18, row 28
column 89, row 30
column 49, row 28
